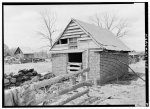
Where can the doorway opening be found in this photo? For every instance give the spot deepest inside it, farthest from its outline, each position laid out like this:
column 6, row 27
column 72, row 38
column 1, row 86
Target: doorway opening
column 75, row 57
column 75, row 61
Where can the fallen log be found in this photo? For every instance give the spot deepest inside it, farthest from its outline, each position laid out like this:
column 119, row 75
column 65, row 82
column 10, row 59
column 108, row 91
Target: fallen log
column 71, row 98
column 51, row 96
column 57, row 79
column 40, row 84
column 88, row 101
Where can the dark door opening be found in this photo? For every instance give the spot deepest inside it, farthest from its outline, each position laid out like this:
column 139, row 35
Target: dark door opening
column 75, row 57
column 75, row 61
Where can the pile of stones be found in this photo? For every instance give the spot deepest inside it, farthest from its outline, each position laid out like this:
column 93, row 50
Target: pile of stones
column 24, row 76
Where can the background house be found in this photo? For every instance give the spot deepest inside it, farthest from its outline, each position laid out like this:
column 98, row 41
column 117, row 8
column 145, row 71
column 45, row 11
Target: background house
column 83, row 45
column 23, row 52
column 136, row 56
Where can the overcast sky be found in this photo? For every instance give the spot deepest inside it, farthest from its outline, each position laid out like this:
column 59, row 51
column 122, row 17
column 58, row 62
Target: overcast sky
column 21, row 23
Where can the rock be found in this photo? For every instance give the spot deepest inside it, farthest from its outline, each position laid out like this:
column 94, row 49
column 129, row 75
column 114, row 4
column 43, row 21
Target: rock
column 27, row 83
column 11, row 74
column 18, row 83
column 24, row 71
column 26, row 78
column 41, row 78
column 6, row 81
column 29, row 74
column 12, row 85
column 31, row 77
column 34, row 73
column 20, row 73
column 5, row 75
column 39, row 75
column 8, row 77
column 13, row 80
column 110, row 97
column 35, row 79
column 31, row 70
column 15, row 76
column 6, row 85
column 19, row 79
column 49, row 75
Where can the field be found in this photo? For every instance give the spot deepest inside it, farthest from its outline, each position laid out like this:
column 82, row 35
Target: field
column 40, row 67
column 129, row 90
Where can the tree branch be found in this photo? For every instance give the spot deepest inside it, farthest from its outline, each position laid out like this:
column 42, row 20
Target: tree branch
column 111, row 23
column 49, row 21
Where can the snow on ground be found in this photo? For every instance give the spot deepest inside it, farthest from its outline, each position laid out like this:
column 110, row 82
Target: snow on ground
column 40, row 67
column 126, row 92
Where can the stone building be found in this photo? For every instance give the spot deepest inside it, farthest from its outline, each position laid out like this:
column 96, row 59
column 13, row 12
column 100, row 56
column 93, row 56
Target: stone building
column 83, row 45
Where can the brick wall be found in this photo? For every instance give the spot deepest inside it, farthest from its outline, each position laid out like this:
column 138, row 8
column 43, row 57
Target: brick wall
column 110, row 68
column 59, row 63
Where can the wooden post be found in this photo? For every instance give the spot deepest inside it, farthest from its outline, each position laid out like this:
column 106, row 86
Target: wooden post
column 87, row 64
column 117, row 77
column 95, row 82
column 73, row 80
column 82, row 77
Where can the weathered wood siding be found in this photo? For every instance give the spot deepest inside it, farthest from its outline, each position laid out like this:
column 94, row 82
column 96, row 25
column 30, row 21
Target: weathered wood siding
column 83, row 44
column 72, row 31
column 84, row 56
column 60, row 47
column 59, row 63
column 111, row 68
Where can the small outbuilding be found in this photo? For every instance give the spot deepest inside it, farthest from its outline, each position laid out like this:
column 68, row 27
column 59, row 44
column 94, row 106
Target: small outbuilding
column 83, row 45
column 24, row 52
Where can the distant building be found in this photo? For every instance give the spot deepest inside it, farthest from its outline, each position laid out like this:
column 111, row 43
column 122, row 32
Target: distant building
column 85, row 45
column 23, row 52
column 136, row 56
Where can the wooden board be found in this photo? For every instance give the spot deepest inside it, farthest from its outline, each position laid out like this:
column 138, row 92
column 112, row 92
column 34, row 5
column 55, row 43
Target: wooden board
column 73, row 27
column 74, row 68
column 73, row 63
column 73, row 31
column 72, row 34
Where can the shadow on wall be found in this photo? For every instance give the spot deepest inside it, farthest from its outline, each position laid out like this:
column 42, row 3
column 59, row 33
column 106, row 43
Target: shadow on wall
column 126, row 79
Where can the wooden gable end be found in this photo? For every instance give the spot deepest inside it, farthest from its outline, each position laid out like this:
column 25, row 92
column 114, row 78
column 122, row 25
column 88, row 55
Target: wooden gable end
column 74, row 31
column 18, row 51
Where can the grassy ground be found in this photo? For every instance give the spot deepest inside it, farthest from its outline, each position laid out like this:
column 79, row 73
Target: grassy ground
column 40, row 67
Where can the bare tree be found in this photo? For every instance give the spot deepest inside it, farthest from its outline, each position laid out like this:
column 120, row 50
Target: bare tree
column 111, row 22
column 49, row 29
